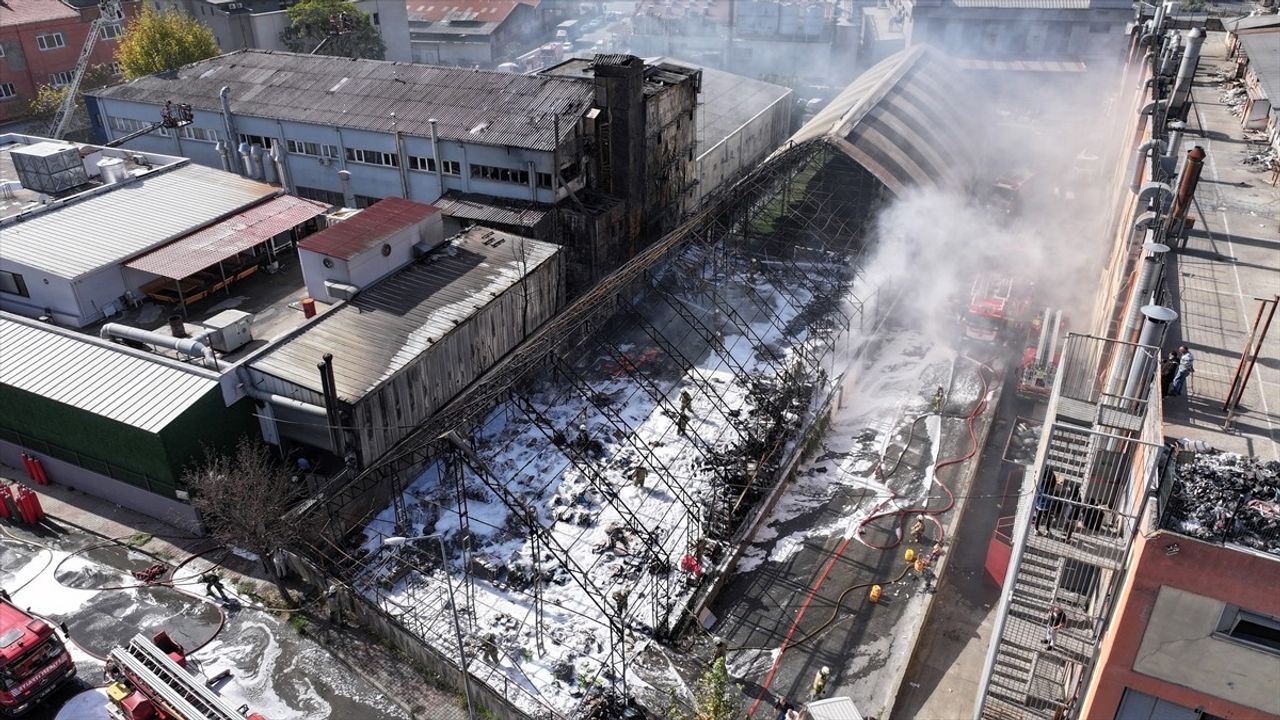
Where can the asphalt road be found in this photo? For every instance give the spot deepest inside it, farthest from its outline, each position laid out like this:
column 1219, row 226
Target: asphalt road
column 79, row 580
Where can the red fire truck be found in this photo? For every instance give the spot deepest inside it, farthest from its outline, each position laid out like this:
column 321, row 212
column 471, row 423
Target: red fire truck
column 151, row 681
column 1040, row 358
column 996, row 308
column 33, row 661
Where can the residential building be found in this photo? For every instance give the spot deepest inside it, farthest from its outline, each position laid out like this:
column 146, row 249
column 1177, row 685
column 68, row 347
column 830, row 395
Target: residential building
column 1003, row 35
column 107, row 228
column 40, row 42
column 241, row 24
column 477, row 33
column 420, row 132
column 792, row 42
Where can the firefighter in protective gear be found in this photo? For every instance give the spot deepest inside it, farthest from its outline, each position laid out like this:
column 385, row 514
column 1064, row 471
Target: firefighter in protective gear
column 489, row 648
column 682, row 423
column 820, row 681
column 686, row 400
column 939, row 397
column 639, row 474
column 917, row 530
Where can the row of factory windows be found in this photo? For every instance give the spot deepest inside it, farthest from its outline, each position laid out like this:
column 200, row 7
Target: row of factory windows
column 355, row 155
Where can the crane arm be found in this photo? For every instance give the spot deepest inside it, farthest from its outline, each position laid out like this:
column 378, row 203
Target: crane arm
column 109, row 13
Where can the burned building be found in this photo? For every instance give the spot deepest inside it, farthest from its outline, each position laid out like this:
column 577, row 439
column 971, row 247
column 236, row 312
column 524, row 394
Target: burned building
column 597, row 153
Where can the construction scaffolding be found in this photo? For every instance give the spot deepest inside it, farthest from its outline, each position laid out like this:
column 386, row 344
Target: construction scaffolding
column 587, row 485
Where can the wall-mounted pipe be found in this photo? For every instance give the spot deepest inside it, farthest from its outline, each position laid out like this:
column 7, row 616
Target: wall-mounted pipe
column 1159, row 192
column 1152, row 148
column 1143, row 366
column 259, row 169
column 187, row 346
column 1187, row 71
column 282, row 171
column 1176, row 128
column 435, row 154
column 228, row 123
column 1187, row 185
column 246, row 160
column 348, row 195
column 224, row 154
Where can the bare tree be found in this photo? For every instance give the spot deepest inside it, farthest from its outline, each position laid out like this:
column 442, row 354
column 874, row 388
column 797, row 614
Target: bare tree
column 243, row 498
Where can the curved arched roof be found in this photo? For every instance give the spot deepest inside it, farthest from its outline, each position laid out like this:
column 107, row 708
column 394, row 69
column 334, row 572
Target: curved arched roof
column 905, row 120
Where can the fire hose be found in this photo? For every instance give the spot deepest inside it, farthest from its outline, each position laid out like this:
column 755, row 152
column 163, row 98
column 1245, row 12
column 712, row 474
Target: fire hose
column 978, row 407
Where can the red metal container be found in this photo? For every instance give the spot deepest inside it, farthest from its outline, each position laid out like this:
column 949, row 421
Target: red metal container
column 38, row 466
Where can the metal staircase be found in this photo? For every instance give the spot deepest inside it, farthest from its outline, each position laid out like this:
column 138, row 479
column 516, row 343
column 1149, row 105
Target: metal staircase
column 182, row 695
column 1091, row 443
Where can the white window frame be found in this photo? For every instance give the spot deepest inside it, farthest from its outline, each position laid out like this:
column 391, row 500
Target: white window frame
column 128, row 125
column 199, row 134
column 62, row 79
column 8, row 91
column 51, row 41
column 373, row 157
column 1232, row 615
column 111, row 31
column 312, row 149
column 451, row 167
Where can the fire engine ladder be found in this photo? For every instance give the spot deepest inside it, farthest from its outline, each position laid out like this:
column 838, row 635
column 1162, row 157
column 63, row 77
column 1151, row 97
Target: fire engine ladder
column 184, row 696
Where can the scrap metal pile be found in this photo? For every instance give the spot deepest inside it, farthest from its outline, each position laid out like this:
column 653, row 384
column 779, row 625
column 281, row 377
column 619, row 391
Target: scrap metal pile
column 1227, row 497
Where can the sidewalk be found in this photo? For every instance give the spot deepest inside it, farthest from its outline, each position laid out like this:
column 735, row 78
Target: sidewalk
column 1229, row 259
column 377, row 670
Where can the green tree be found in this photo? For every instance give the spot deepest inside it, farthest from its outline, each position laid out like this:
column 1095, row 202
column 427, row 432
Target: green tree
column 157, row 41
column 716, row 697
column 44, row 106
column 336, row 27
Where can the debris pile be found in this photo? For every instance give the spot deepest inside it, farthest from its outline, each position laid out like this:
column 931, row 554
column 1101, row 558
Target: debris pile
column 1227, row 497
column 1234, row 96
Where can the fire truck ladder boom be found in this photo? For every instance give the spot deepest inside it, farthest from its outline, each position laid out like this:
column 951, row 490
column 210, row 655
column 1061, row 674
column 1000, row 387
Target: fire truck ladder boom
column 184, row 694
column 109, row 13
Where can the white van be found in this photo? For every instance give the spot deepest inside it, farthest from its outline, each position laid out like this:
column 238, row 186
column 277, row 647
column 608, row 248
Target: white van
column 840, row 708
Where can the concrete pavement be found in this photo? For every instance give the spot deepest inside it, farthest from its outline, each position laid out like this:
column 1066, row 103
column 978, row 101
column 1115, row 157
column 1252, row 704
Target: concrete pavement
column 1228, row 261
column 69, row 570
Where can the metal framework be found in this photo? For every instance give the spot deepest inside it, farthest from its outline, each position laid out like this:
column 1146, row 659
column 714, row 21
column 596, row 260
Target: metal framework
column 688, row 300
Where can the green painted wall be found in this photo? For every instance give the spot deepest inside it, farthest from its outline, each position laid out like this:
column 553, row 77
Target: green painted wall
column 149, row 460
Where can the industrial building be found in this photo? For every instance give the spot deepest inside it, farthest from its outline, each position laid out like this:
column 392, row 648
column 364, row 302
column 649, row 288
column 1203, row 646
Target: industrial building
column 1164, row 576
column 1057, row 36
column 475, row 33
column 109, row 420
column 739, row 122
column 611, row 155
column 91, row 232
column 1255, row 43
column 241, row 24
column 801, row 42
column 405, row 345
column 40, row 41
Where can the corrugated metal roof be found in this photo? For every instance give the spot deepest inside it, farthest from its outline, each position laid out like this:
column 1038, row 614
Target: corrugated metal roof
column 489, row 209
column 1263, row 50
column 1026, row 4
column 27, row 12
column 197, row 251
column 904, row 120
column 93, row 376
column 727, row 101
column 368, row 227
column 128, row 219
column 510, row 110
column 394, row 321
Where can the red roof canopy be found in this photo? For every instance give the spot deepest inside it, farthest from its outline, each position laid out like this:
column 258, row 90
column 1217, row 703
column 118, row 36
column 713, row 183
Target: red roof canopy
column 189, row 255
column 368, row 227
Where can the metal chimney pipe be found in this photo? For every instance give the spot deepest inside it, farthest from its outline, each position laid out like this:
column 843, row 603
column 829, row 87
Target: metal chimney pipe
column 1148, row 276
column 259, row 170
column 224, row 154
column 349, row 195
column 1176, row 129
column 228, row 123
column 282, row 172
column 246, row 160
column 1187, row 186
column 1172, row 50
column 1157, row 23
column 435, row 153
column 1187, row 71
column 1154, row 148
column 1144, row 363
